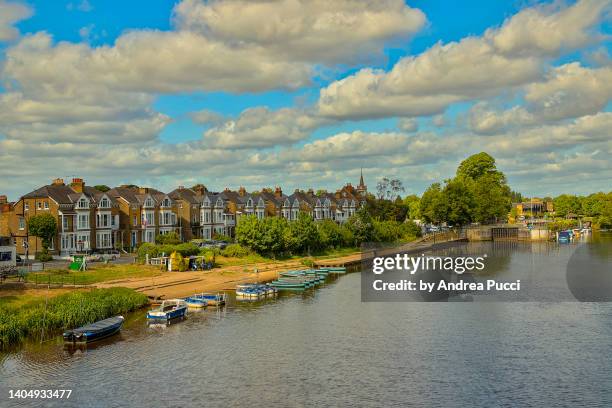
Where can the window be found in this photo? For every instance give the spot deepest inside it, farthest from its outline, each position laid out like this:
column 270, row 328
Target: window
column 82, row 203
column 166, row 202
column 39, row 205
column 105, row 203
column 83, row 221
column 103, row 240
column 148, row 203
column 6, row 256
column 67, row 241
column 135, row 221
column 65, row 223
column 26, row 206
column 46, row 204
column 103, row 220
column 21, row 223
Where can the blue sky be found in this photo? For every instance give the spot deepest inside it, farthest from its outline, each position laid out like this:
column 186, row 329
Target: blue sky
column 265, row 129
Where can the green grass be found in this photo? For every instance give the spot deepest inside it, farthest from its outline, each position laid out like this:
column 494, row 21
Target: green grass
column 27, row 319
column 95, row 274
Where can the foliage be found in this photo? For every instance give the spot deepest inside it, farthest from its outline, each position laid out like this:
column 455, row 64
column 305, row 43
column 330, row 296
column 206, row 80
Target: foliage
column 458, row 202
column 303, row 234
column 170, row 238
column 154, row 251
column 478, row 165
column 266, row 236
column 102, row 187
column 65, row 312
column 330, row 234
column 44, row 255
column 559, row 225
column 44, row 227
column 566, row 204
column 222, row 237
column 389, row 189
column 361, row 226
column 431, row 204
column 236, row 251
column 384, row 209
column 413, row 202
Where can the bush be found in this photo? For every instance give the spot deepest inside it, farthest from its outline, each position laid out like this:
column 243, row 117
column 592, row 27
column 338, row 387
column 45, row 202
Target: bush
column 147, row 249
column 171, row 238
column 221, row 237
column 154, row 251
column 236, row 251
column 44, row 255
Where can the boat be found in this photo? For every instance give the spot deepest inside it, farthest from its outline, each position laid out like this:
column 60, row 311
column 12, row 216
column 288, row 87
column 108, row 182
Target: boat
column 195, row 302
column 94, row 331
column 564, row 237
column 335, row 269
column 169, row 309
column 254, row 290
column 213, row 299
column 289, row 285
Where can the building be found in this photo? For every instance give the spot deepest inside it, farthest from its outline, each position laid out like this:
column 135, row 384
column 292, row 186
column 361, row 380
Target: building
column 188, row 203
column 87, row 219
column 144, row 213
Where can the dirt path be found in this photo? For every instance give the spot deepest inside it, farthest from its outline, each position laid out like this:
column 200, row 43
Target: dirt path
column 180, row 284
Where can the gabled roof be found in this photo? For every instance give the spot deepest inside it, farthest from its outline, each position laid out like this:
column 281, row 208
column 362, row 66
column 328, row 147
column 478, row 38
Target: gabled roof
column 186, row 194
column 57, row 192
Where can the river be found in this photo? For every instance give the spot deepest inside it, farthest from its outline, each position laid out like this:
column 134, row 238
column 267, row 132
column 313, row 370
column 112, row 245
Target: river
column 325, row 347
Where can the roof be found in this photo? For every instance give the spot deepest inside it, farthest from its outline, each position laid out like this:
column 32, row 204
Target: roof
column 186, row 194
column 59, row 193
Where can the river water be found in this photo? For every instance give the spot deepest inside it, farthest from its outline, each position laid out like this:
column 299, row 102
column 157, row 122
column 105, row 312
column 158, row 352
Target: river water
column 325, row 347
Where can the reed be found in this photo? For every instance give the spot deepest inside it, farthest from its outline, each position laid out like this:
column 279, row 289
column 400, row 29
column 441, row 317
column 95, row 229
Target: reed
column 65, row 312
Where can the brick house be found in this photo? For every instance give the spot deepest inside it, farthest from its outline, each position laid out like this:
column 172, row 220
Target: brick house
column 188, row 203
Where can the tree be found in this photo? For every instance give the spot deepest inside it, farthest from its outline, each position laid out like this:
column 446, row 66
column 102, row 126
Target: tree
column 102, row 187
column 458, row 202
column 250, row 232
column 383, row 209
column 414, row 203
column 44, row 227
column 303, row 234
column 492, row 198
column 361, row 226
column 389, row 189
column 478, row 165
column 330, row 234
column 566, row 204
column 431, row 205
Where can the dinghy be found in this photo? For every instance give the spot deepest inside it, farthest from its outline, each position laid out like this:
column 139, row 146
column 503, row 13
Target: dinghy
column 94, row 331
column 169, row 309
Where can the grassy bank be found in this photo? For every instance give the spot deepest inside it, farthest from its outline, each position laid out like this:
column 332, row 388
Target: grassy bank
column 27, row 318
column 94, row 274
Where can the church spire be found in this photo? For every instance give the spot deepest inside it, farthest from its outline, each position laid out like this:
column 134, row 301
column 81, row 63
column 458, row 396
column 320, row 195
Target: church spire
column 361, row 179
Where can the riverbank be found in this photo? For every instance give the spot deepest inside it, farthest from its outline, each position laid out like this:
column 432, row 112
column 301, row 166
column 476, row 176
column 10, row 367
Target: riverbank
column 38, row 316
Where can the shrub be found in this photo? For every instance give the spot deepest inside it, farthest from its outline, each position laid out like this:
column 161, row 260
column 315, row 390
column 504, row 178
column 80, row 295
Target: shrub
column 236, row 251
column 147, row 249
column 44, row 255
column 171, row 238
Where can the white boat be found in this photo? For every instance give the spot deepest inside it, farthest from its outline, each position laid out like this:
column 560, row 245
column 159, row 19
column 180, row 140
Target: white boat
column 169, row 309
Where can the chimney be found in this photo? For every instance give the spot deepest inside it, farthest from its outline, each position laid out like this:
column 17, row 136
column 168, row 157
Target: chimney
column 143, row 190
column 241, row 191
column 227, row 190
column 200, row 189
column 3, row 199
column 181, row 188
column 77, row 185
column 278, row 192
column 58, row 182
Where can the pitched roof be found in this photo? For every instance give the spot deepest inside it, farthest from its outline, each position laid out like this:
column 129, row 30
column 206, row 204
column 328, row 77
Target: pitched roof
column 57, row 192
column 186, row 194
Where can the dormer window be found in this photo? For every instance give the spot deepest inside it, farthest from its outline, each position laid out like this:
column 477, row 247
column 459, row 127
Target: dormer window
column 148, row 202
column 82, row 203
column 250, row 203
column 166, row 202
column 105, row 203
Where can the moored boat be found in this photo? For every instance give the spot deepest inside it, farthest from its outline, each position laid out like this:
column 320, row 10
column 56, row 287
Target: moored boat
column 169, row 309
column 213, row 299
column 94, row 331
column 196, row 302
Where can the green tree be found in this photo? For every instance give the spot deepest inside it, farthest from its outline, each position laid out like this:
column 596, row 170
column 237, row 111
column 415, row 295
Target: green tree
column 431, row 206
column 361, row 226
column 330, row 234
column 478, row 165
column 414, row 203
column 492, row 198
column 303, row 234
column 102, row 187
column 458, row 202
column 44, row 227
column 566, row 204
column 250, row 232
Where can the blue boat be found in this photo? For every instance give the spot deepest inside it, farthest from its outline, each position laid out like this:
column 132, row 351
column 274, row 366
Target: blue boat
column 564, row 237
column 169, row 309
column 95, row 331
column 213, row 299
column 195, row 302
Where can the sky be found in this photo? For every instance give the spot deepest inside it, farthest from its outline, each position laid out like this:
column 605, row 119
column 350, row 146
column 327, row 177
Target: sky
column 304, row 93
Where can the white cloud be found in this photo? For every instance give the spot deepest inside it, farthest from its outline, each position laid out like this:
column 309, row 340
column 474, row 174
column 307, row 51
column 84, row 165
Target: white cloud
column 472, row 68
column 408, row 125
column 261, row 127
column 206, row 117
column 307, row 30
column 11, row 13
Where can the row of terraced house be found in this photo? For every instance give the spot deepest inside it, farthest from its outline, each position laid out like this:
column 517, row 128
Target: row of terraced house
column 124, row 217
